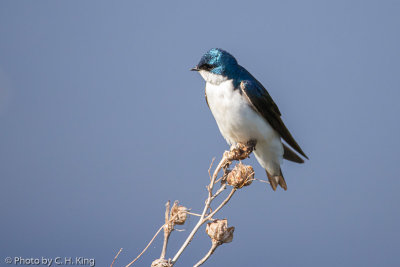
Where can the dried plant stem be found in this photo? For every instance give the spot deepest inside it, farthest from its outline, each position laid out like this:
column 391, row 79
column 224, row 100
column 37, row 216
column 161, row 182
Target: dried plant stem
column 164, row 250
column 236, row 153
column 116, row 256
column 209, row 253
column 167, row 230
column 151, row 241
column 209, row 169
column 189, row 238
column 202, row 220
column 221, row 205
column 194, row 214
column 219, row 191
column 148, row 245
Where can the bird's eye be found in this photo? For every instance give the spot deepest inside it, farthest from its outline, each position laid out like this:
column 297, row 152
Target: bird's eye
column 206, row 67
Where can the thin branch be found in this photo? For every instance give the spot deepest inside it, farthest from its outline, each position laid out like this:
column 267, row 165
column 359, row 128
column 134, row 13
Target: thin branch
column 263, row 181
column 201, row 221
column 116, row 256
column 151, row 241
column 194, row 214
column 227, row 158
column 164, row 249
column 219, row 191
column 209, row 253
column 221, row 205
column 209, row 169
column 167, row 231
column 148, row 245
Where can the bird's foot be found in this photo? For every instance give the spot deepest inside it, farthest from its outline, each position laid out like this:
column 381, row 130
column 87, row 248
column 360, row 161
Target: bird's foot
column 251, row 145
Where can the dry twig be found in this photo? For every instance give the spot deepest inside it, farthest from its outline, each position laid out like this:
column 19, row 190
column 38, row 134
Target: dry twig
column 167, row 230
column 201, row 221
column 148, row 245
column 116, row 256
column 155, row 235
column 238, row 153
column 177, row 214
column 209, row 253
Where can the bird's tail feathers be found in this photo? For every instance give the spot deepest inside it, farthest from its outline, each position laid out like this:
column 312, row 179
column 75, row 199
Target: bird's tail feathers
column 276, row 180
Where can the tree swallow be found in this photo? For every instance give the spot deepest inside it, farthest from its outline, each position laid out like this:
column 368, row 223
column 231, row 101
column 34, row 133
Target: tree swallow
column 246, row 114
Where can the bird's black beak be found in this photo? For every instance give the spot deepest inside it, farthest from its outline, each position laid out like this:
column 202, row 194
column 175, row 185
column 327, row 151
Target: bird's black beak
column 195, row 69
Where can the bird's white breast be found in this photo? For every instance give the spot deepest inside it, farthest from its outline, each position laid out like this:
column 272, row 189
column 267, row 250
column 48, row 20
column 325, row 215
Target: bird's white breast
column 239, row 123
column 236, row 120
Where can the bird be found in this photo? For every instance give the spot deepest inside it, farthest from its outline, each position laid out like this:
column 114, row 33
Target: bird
column 246, row 113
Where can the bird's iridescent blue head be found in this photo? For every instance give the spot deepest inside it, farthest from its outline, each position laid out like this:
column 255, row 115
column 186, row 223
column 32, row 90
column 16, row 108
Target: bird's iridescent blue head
column 216, row 61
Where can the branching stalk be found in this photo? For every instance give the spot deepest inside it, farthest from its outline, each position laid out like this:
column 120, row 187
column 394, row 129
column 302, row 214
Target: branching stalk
column 201, row 221
column 221, row 205
column 177, row 214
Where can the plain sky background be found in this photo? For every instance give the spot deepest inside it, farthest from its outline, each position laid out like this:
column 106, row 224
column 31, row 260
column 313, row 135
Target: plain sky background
column 102, row 122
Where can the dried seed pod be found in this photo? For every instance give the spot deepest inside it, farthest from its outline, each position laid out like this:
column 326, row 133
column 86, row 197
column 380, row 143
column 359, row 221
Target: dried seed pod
column 240, row 151
column 178, row 214
column 241, row 175
column 219, row 232
column 161, row 263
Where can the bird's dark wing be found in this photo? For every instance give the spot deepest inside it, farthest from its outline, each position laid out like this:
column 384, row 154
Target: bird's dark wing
column 205, row 94
column 262, row 103
column 290, row 155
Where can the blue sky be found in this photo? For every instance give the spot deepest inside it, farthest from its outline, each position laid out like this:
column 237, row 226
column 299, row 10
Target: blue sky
column 102, row 122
